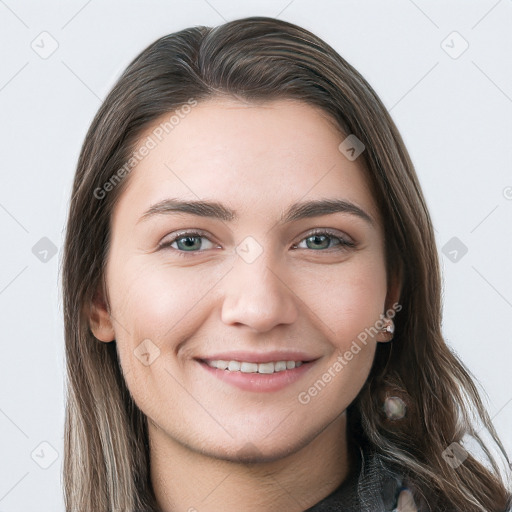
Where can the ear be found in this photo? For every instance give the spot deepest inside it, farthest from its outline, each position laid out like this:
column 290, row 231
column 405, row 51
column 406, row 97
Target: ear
column 392, row 303
column 394, row 290
column 99, row 317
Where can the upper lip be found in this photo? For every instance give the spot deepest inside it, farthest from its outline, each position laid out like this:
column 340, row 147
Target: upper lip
column 260, row 357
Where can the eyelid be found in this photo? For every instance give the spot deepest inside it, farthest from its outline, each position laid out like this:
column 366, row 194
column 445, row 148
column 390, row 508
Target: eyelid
column 181, row 234
column 328, row 231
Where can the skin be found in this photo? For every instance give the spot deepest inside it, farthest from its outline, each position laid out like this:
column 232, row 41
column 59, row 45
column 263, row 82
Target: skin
column 214, row 446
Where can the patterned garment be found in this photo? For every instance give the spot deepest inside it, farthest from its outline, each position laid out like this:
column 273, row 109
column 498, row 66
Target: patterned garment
column 370, row 487
column 373, row 487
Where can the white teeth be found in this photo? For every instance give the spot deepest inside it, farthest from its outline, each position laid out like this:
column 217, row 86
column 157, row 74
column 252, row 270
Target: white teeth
column 245, row 367
column 280, row 366
column 234, row 366
column 266, row 368
column 249, row 367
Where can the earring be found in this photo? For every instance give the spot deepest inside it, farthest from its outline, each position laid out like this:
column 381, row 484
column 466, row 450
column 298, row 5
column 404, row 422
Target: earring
column 387, row 330
column 394, row 407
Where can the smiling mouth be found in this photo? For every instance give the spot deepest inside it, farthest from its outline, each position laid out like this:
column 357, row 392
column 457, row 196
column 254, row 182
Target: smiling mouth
column 247, row 367
column 261, row 373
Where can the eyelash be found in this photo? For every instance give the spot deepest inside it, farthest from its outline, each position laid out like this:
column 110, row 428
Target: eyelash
column 343, row 245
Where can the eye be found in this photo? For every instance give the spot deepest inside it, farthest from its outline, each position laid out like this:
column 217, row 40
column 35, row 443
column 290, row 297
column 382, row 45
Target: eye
column 321, row 239
column 189, row 241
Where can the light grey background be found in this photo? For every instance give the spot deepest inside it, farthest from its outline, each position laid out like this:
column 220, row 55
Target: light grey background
column 453, row 108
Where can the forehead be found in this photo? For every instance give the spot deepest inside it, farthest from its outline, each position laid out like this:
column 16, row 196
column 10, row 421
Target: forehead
column 255, row 156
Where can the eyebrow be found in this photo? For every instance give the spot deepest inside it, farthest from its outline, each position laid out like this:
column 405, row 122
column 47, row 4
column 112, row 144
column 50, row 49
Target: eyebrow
column 297, row 211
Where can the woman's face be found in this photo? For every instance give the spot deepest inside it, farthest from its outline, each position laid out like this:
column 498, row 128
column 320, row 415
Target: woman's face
column 243, row 281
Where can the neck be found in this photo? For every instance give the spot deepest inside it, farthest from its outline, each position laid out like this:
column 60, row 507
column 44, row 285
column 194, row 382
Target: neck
column 189, row 481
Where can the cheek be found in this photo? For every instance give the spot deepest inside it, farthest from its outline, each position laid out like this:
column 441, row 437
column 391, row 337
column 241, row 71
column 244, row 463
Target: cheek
column 152, row 301
column 349, row 305
column 154, row 308
column 347, row 298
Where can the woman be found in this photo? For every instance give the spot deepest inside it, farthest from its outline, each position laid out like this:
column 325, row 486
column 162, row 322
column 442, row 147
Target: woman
column 252, row 294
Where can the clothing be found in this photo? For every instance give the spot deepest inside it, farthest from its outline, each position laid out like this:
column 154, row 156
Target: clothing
column 370, row 487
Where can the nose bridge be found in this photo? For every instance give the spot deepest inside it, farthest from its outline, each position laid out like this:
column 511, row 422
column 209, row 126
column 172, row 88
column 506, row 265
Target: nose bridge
column 255, row 294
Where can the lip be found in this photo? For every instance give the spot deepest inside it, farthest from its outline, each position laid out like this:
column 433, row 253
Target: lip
column 263, row 357
column 259, row 382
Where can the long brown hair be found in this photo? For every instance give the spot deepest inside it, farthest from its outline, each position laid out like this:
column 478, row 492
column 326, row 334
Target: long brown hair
column 106, row 459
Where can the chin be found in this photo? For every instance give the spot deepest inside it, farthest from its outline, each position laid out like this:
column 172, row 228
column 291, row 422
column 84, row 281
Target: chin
column 250, row 454
column 257, row 451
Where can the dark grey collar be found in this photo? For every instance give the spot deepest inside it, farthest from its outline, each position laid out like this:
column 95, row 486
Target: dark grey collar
column 370, row 487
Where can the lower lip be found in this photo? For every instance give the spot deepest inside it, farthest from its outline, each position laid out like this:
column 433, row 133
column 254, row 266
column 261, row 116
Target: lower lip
column 259, row 382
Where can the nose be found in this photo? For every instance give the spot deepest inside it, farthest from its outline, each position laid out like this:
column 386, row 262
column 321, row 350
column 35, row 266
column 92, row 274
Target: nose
column 258, row 296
